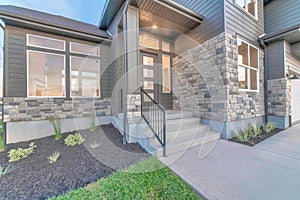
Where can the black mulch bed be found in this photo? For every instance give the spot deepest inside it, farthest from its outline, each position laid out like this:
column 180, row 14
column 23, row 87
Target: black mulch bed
column 35, row 178
column 253, row 141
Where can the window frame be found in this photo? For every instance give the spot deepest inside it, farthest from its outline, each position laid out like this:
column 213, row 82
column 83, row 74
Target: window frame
column 42, row 47
column 70, row 77
column 28, row 79
column 246, row 8
column 249, row 68
column 81, row 53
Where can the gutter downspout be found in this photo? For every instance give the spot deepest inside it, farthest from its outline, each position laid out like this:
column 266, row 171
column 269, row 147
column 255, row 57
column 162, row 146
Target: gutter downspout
column 125, row 48
column 263, row 45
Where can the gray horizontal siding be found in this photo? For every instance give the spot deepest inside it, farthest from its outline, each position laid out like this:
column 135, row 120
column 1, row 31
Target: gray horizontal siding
column 281, row 14
column 292, row 63
column 105, row 71
column 15, row 59
column 212, row 25
column 238, row 22
column 275, row 60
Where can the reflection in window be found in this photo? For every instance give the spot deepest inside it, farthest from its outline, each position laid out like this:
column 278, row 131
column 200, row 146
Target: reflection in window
column 249, row 6
column 248, row 66
column 165, row 46
column 85, row 77
column 148, row 61
column 84, row 49
column 46, row 74
column 166, row 64
column 45, row 42
column 148, row 42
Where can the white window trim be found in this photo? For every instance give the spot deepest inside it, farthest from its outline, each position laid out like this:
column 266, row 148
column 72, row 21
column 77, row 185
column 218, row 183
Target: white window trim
column 70, row 74
column 80, row 44
column 248, row 68
column 246, row 10
column 169, row 91
column 27, row 68
column 31, row 45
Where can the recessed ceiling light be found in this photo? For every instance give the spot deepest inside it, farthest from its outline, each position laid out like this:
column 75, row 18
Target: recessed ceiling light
column 154, row 26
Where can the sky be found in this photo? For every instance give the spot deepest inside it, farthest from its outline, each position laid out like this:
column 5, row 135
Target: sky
column 88, row 11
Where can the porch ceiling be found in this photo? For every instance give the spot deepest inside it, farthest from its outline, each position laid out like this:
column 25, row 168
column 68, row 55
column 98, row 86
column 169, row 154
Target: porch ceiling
column 164, row 14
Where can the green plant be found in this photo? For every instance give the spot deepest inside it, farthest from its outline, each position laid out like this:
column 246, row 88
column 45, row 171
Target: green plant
column 94, row 145
column 53, row 158
column 2, row 145
column 4, row 170
column 74, row 139
column 20, row 153
column 268, row 127
column 255, row 130
column 56, row 124
column 93, row 123
column 243, row 135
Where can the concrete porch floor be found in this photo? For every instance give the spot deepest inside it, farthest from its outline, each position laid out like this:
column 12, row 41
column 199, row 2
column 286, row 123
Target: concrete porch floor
column 231, row 171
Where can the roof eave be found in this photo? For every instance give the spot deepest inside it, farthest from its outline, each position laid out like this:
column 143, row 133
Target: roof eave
column 8, row 15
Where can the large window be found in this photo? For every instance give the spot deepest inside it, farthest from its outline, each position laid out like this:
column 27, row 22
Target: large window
column 46, row 68
column 85, row 77
column 249, row 6
column 248, row 66
column 46, row 74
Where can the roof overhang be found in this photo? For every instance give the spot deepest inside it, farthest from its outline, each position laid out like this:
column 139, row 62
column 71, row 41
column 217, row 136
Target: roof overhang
column 291, row 35
column 159, row 11
column 24, row 22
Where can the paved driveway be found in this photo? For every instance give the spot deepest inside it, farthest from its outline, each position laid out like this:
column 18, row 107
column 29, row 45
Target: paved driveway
column 268, row 171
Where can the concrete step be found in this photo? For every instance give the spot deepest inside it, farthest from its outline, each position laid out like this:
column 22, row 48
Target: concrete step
column 184, row 145
column 174, row 114
column 181, row 124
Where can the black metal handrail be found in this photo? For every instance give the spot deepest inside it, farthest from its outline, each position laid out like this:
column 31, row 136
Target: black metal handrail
column 155, row 116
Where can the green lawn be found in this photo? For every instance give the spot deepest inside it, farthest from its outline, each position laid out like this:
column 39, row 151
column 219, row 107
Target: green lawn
column 158, row 183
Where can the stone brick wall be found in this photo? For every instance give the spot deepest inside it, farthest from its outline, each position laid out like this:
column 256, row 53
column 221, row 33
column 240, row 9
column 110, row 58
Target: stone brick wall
column 34, row 109
column 279, row 97
column 205, row 81
column 134, row 105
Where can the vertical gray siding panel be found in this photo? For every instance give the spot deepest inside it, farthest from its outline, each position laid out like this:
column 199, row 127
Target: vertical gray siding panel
column 275, row 60
column 281, row 14
column 242, row 24
column 212, row 25
column 15, row 56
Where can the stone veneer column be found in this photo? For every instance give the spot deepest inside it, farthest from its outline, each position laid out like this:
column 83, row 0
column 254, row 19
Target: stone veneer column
column 205, row 81
column 279, row 102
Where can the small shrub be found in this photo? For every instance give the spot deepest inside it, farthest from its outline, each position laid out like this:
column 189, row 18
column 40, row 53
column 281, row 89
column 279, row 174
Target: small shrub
column 93, row 123
column 255, row 130
column 269, row 127
column 2, row 145
column 53, row 158
column 95, row 145
column 20, row 153
column 56, row 124
column 73, row 140
column 243, row 135
column 4, row 170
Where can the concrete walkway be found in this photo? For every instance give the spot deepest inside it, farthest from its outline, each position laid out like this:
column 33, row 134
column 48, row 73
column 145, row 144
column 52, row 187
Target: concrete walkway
column 268, row 171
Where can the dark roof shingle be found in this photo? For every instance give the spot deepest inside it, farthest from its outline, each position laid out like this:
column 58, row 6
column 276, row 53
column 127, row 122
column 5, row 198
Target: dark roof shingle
column 53, row 20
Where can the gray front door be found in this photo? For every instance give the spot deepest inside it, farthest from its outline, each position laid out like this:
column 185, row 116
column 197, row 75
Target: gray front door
column 149, row 74
column 152, row 71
